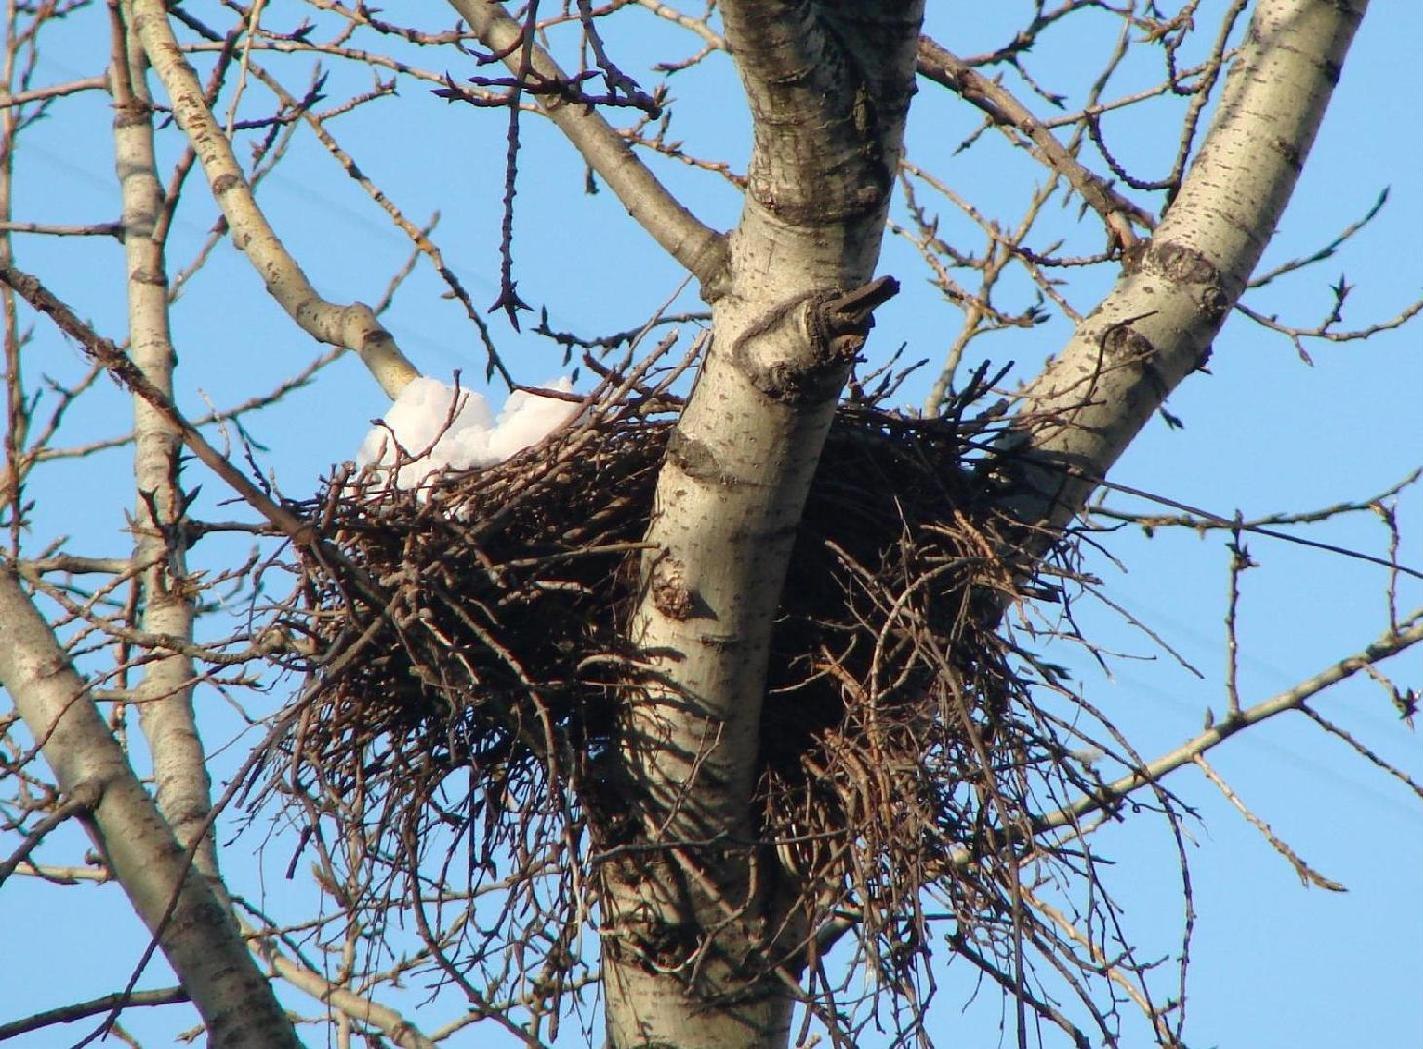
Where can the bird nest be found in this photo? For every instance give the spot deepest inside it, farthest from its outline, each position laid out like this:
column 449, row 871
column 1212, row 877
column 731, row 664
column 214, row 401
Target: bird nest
column 473, row 658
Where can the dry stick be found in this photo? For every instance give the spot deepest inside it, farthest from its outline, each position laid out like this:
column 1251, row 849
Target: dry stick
column 78, row 803
column 40, row 94
column 62, row 875
column 354, row 327
column 1109, row 967
column 1193, row 520
column 1390, row 644
column 1371, row 756
column 1307, row 874
column 79, row 1010
column 102, row 229
column 1204, row 519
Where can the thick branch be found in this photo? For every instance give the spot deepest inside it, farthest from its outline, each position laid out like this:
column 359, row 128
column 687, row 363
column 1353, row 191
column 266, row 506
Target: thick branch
column 1157, row 324
column 843, row 66
column 354, row 327
column 701, row 249
column 828, row 91
column 174, row 900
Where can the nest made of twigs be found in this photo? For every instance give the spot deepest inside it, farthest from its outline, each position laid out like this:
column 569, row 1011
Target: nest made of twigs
column 499, row 653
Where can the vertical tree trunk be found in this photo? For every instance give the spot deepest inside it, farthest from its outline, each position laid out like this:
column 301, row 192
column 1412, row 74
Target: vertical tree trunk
column 703, row 950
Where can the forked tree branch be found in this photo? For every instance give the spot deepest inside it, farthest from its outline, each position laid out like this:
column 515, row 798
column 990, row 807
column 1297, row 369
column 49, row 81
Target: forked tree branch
column 699, row 248
column 828, row 87
column 828, row 94
column 355, row 326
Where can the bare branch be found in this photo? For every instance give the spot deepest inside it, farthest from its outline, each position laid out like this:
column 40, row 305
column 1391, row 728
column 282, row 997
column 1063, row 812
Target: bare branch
column 697, row 247
column 80, row 1010
column 1390, row 644
column 1307, row 874
column 384, row 1019
column 42, row 94
column 1157, row 324
column 106, row 353
column 354, row 326
column 1005, row 111
column 164, row 693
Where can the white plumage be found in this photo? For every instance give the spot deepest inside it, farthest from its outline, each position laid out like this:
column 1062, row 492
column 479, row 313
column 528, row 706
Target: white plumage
column 420, row 421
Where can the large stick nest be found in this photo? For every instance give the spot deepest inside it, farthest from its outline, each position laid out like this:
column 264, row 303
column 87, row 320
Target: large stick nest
column 477, row 709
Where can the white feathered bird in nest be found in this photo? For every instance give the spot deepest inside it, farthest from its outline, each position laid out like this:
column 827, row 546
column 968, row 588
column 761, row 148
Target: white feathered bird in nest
column 420, row 421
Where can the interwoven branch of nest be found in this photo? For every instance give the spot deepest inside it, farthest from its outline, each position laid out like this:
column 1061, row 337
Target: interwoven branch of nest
column 501, row 654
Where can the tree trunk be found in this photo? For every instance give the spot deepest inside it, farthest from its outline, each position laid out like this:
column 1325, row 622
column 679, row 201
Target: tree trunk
column 164, row 695
column 191, row 924
column 702, row 949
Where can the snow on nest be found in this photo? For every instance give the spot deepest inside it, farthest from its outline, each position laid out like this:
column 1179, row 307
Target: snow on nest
column 421, row 422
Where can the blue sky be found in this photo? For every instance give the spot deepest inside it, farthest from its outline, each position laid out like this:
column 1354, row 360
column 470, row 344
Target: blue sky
column 1275, row 964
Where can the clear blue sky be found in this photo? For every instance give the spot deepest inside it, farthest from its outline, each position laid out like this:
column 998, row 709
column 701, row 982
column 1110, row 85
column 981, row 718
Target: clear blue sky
column 1275, row 964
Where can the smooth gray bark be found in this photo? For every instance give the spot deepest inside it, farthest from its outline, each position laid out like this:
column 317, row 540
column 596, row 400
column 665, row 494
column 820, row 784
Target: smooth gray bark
column 164, row 693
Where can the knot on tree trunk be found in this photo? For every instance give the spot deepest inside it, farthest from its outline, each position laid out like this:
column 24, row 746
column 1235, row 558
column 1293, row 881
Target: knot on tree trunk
column 833, row 324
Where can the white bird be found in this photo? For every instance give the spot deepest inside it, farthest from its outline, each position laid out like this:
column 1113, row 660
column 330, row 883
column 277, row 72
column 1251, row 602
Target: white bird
column 433, row 437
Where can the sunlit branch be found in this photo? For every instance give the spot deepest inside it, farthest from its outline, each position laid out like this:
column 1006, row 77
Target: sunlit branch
column 697, row 247
column 354, row 326
column 398, row 1029
column 1157, row 324
column 943, row 67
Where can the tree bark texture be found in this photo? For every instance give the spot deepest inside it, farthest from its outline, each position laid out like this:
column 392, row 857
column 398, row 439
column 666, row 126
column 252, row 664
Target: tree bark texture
column 828, row 96
column 701, row 949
